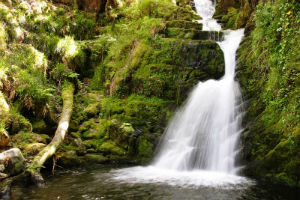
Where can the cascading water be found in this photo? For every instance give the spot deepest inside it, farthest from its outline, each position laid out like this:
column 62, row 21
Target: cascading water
column 205, row 132
column 200, row 144
column 206, row 9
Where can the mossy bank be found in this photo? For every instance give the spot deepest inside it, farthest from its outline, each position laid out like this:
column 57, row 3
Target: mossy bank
column 131, row 62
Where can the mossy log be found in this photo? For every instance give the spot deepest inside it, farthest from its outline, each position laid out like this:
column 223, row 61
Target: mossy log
column 50, row 149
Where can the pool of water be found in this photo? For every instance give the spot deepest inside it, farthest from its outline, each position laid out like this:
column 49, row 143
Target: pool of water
column 144, row 183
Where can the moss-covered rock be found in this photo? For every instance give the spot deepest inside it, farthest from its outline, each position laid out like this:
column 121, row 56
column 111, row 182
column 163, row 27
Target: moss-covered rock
column 95, row 158
column 193, row 34
column 109, row 147
column 22, row 139
column 39, row 126
column 34, row 148
column 145, row 149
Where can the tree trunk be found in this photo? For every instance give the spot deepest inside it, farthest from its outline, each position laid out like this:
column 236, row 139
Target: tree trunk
column 63, row 125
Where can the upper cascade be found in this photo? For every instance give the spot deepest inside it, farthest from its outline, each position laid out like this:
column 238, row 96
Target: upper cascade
column 206, row 9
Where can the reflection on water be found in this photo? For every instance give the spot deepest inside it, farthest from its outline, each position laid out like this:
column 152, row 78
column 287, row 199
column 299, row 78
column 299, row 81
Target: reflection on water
column 103, row 183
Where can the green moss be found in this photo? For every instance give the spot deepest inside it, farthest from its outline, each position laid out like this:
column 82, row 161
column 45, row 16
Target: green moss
column 109, row 147
column 143, row 112
column 145, row 149
column 95, row 158
column 23, row 138
column 34, row 148
column 92, row 109
column 159, row 9
column 70, row 159
column 39, row 126
column 184, row 24
column 19, row 122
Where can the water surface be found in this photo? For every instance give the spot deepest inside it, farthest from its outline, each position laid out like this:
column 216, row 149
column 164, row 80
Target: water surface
column 102, row 182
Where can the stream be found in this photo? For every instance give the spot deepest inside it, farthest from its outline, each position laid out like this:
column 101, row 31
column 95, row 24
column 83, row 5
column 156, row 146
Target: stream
column 99, row 182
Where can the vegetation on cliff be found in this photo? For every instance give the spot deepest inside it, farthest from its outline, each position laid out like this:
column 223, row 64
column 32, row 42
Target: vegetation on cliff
column 269, row 75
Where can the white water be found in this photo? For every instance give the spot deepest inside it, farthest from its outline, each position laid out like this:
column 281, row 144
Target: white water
column 200, row 144
column 205, row 132
column 206, row 9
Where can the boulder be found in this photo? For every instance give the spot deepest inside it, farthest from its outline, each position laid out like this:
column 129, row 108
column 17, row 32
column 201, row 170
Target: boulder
column 13, row 161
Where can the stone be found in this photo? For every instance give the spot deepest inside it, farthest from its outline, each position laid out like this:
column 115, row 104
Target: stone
column 13, row 161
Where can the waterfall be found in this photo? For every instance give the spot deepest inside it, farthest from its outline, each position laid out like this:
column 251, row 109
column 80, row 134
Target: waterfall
column 201, row 142
column 204, row 133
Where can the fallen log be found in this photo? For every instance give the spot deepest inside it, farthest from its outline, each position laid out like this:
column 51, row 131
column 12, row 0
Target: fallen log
column 63, row 125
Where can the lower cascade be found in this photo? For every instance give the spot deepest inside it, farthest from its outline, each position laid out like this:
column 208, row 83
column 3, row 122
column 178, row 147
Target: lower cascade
column 200, row 144
column 205, row 132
